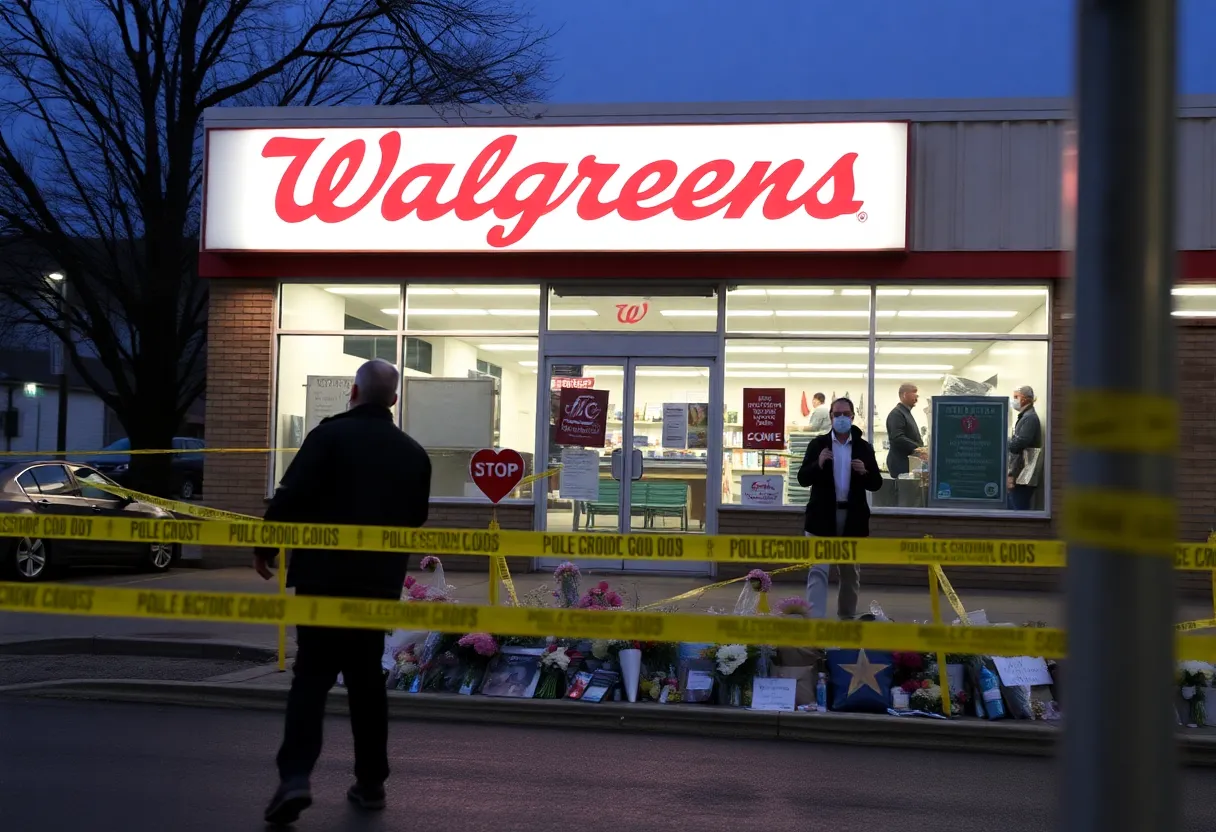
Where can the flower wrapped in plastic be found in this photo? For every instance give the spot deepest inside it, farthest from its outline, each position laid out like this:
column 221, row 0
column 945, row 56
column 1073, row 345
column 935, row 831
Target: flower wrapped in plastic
column 476, row 649
column 554, row 663
column 1194, row 680
column 432, row 586
column 755, row 588
column 567, row 577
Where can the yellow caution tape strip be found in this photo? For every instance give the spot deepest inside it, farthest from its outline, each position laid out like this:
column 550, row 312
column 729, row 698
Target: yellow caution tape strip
column 203, row 512
column 955, row 602
column 1126, row 521
column 510, row 543
column 1191, row 626
column 1097, row 420
column 248, row 608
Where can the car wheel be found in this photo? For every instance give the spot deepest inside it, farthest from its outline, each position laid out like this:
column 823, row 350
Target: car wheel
column 161, row 556
column 186, row 492
column 31, row 558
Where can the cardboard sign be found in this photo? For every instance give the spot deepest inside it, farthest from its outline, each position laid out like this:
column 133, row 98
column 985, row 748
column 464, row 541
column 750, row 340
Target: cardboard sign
column 762, row 490
column 577, row 383
column 495, row 472
column 764, row 418
column 582, row 418
column 1022, row 670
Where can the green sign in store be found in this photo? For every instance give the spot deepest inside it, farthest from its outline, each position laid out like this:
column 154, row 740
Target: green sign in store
column 968, row 461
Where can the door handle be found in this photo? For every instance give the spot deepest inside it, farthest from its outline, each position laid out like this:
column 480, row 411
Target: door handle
column 44, row 502
column 616, row 464
column 636, row 473
column 97, row 509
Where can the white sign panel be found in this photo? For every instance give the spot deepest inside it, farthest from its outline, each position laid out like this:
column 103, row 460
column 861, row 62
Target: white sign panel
column 762, row 490
column 773, row 694
column 327, row 396
column 580, row 475
column 675, row 425
column 1022, row 670
column 726, row 187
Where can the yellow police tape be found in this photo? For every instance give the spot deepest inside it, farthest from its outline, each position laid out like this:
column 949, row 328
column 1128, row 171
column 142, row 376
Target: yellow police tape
column 956, row 603
column 248, row 608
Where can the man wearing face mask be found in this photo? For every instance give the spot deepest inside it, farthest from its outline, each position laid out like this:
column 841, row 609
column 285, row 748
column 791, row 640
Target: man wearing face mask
column 354, row 468
column 839, row 468
column 1027, row 434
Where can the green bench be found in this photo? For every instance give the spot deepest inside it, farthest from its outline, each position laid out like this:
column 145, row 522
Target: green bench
column 647, row 499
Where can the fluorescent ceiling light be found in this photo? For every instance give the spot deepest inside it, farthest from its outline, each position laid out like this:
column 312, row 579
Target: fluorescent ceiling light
column 514, row 313
column 527, row 363
column 829, row 348
column 800, row 293
column 445, row 312
column 428, row 290
column 756, row 374
column 889, row 293
column 573, row 313
column 830, row 313
column 925, row 350
column 1194, row 291
column 498, row 290
column 364, row 290
column 923, row 332
column 828, row 332
column 738, row 293
column 826, row 366
column 507, row 347
column 979, row 293
column 1194, row 313
column 750, row 348
column 393, row 312
column 915, row 366
column 688, row 313
column 902, row 377
column 673, row 373
column 740, row 365
column 957, row 313
column 828, row 376
column 749, row 313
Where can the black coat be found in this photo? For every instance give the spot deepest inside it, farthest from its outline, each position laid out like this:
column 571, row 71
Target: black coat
column 355, row 468
column 821, row 509
column 904, row 438
column 1027, row 433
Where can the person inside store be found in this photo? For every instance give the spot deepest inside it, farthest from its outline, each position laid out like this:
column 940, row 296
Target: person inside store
column 821, row 420
column 903, row 435
column 839, row 468
column 1025, row 451
column 354, row 468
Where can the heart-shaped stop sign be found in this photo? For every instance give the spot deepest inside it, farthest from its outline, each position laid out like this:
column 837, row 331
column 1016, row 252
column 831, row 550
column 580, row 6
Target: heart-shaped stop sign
column 496, row 473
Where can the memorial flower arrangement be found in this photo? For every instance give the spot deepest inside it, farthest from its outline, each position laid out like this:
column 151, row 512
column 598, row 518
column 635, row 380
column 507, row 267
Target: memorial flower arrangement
column 928, row 698
column 567, row 577
column 600, row 597
column 476, row 649
column 794, row 605
column 760, row 580
column 553, row 666
column 653, row 686
column 405, row 667
column 1193, row 681
column 604, row 649
column 657, row 656
column 430, row 563
column 734, row 668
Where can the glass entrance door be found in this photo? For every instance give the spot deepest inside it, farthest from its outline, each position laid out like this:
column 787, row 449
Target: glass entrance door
column 653, row 473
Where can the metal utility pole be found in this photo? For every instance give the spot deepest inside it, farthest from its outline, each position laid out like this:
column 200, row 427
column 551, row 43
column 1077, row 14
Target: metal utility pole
column 59, row 351
column 1120, row 509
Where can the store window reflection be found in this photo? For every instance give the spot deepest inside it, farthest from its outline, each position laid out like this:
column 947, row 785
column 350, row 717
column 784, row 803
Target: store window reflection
column 335, row 307
column 472, row 309
column 798, row 310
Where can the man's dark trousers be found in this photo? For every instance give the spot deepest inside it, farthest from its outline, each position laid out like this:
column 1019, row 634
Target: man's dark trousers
column 321, row 654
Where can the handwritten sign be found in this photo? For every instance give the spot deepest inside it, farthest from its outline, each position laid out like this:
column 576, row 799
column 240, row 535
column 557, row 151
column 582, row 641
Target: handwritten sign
column 1022, row 670
column 580, row 475
column 773, row 694
column 762, row 490
column 764, row 418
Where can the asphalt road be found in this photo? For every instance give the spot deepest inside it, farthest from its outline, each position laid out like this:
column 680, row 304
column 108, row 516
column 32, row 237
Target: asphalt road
column 137, row 768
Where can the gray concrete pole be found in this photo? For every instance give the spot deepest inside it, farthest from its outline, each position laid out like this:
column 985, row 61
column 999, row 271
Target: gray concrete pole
column 1120, row 511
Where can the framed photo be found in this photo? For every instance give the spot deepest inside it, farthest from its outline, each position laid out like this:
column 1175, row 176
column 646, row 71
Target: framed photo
column 513, row 674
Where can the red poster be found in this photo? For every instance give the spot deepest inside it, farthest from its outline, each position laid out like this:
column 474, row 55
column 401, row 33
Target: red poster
column 577, row 383
column 582, row 418
column 764, row 418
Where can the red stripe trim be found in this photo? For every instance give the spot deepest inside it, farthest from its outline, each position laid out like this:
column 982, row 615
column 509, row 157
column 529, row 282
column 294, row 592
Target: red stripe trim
column 917, row 265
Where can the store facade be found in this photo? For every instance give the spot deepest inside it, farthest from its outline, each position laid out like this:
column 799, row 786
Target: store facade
column 672, row 258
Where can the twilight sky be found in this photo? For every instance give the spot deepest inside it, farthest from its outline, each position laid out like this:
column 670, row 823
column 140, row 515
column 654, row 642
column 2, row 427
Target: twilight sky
column 760, row 50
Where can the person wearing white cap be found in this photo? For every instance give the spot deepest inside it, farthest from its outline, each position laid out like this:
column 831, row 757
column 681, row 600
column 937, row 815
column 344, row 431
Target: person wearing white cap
column 1025, row 451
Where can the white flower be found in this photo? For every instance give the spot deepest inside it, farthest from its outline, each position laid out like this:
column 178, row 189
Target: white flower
column 730, row 657
column 1188, row 692
column 558, row 659
column 599, row 648
column 1201, row 668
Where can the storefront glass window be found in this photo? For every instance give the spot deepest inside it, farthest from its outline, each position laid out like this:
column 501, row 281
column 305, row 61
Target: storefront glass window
column 961, row 310
column 1195, row 301
column 504, row 310
column 469, row 379
column 799, row 311
column 573, row 309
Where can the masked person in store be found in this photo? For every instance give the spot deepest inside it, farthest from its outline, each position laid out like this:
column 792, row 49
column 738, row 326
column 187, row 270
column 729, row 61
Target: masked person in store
column 355, row 468
column 1025, row 451
column 903, row 435
column 839, row 468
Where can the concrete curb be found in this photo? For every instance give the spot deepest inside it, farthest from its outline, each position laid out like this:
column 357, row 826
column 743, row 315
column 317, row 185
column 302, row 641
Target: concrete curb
column 147, row 647
column 1017, row 738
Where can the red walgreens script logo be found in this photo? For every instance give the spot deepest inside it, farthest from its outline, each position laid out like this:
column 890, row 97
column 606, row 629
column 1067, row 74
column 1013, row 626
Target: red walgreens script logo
column 542, row 197
column 631, row 313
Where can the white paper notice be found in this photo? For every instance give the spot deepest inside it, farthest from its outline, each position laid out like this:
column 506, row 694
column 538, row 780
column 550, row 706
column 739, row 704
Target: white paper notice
column 762, row 491
column 773, row 694
column 699, row 680
column 675, row 425
column 1022, row 670
column 326, row 396
column 580, row 474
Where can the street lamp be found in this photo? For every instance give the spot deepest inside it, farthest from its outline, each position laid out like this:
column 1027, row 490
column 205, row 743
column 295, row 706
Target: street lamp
column 59, row 360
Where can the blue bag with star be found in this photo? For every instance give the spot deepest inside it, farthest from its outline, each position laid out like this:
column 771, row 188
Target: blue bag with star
column 860, row 680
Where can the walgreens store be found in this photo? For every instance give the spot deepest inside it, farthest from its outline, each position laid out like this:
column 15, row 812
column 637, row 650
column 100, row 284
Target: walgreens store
column 672, row 257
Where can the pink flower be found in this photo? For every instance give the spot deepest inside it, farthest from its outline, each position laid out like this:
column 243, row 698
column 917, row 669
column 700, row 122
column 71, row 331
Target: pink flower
column 794, row 606
column 418, row 592
column 910, row 686
column 429, row 563
column 613, row 599
column 483, row 644
column 409, row 581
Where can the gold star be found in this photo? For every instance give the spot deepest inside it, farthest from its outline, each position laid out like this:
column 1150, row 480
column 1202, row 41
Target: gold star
column 863, row 674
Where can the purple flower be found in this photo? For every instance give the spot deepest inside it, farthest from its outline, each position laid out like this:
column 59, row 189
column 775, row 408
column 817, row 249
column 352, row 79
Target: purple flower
column 429, row 563
column 483, row 644
column 760, row 580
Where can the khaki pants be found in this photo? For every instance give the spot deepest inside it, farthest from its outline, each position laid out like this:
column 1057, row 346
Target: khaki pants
column 850, row 583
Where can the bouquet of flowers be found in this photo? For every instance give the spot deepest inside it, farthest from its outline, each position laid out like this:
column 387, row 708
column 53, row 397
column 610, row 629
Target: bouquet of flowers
column 909, row 671
column 567, row 576
column 433, row 587
column 652, row 688
column 1193, row 681
column 735, row 667
column 757, row 583
column 553, row 666
column 657, row 656
column 600, row 597
column 928, row 698
column 405, row 668
column 795, row 606
column 605, row 649
column 477, row 649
